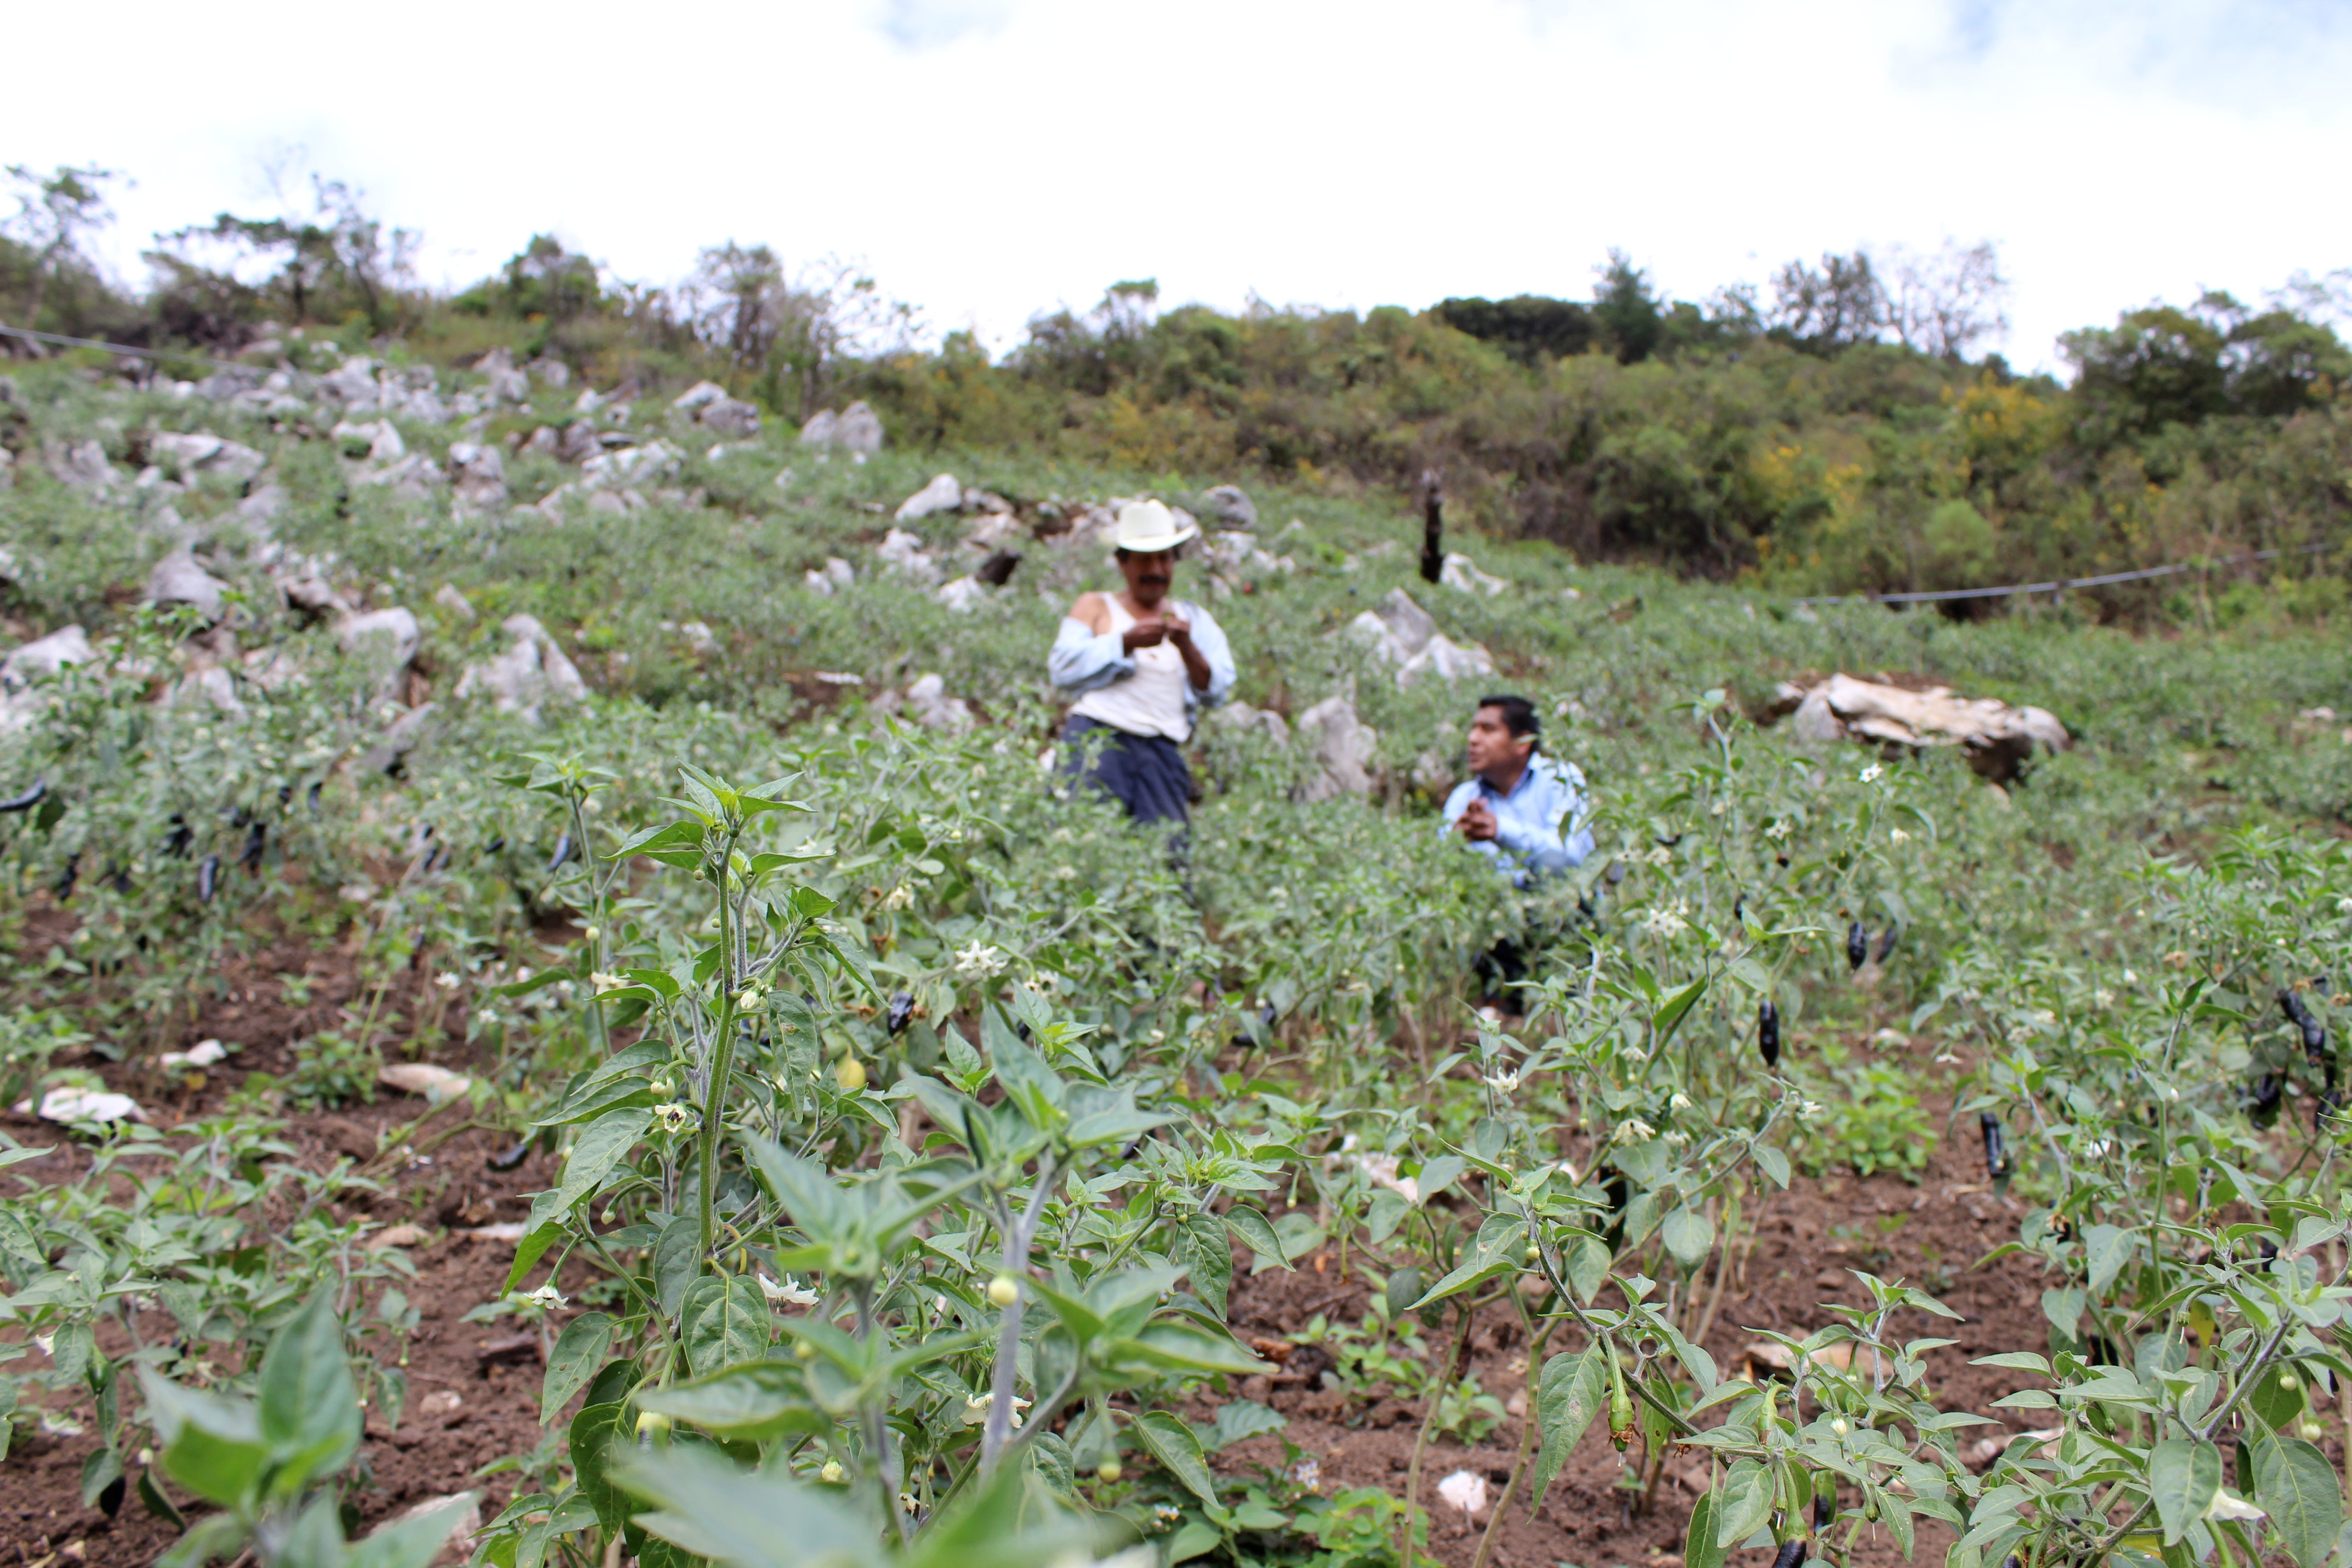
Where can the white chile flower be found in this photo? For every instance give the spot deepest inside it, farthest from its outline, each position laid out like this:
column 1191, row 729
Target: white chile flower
column 675, row 1117
column 1503, row 1083
column 1871, row 774
column 1781, row 827
column 1808, row 1109
column 2227, row 1504
column 899, row 898
column 1681, row 1101
column 1665, row 920
column 1899, row 835
column 604, row 981
column 546, row 1298
column 979, row 960
column 1634, row 1130
column 789, row 1293
column 1661, row 856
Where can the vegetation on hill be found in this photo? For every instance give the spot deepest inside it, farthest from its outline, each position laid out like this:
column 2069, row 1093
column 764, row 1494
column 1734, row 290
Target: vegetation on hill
column 1842, row 431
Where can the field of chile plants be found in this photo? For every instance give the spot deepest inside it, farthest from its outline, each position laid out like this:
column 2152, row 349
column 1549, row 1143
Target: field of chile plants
column 669, row 1081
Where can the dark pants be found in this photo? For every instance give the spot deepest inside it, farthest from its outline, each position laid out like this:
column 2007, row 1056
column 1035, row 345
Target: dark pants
column 1146, row 773
column 1499, row 970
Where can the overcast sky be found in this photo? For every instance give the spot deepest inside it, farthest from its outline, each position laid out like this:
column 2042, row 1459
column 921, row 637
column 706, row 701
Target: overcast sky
column 989, row 159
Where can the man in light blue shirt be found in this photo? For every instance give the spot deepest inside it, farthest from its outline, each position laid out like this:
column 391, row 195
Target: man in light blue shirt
column 1526, row 813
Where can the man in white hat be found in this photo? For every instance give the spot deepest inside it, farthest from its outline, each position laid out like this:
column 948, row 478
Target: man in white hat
column 1141, row 666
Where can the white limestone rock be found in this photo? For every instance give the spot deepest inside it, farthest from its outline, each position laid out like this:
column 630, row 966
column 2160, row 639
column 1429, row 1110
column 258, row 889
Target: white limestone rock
column 178, row 579
column 45, row 656
column 392, row 635
column 942, row 494
column 1343, row 750
column 1461, row 574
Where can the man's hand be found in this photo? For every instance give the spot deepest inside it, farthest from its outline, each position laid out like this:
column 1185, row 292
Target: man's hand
column 1148, row 632
column 1179, row 630
column 1476, row 822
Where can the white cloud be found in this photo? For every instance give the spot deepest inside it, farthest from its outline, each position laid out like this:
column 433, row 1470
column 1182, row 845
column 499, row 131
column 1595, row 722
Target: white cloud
column 993, row 158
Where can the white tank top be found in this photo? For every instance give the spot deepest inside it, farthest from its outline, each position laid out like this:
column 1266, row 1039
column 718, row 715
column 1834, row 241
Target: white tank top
column 1151, row 701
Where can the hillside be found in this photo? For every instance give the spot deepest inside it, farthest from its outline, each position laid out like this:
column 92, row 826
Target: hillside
column 553, row 978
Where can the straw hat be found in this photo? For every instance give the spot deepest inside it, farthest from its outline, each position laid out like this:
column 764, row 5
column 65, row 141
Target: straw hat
column 1148, row 527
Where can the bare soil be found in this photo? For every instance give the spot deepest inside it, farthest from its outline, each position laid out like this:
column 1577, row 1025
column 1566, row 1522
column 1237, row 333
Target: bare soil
column 467, row 1408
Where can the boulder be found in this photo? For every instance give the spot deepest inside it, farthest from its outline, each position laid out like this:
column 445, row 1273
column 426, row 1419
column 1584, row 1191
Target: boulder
column 83, row 467
column 962, row 596
column 902, row 551
column 1397, row 630
column 1446, row 660
column 377, row 441
column 1342, row 749
column 632, row 467
column 403, row 735
column 1240, row 719
column 860, row 430
column 731, row 416
column 457, row 604
column 1229, row 506
column 477, row 476
column 262, row 507
column 935, row 709
column 352, row 383
column 695, row 398
column 202, row 452
column 532, row 672
column 579, row 441
column 379, row 634
column 552, row 374
column 1996, row 738
column 309, row 594
column 836, row 574
column 942, row 494
column 1461, row 574
column 547, row 441
column 823, row 429
column 507, row 384
column 43, row 656
column 177, row 579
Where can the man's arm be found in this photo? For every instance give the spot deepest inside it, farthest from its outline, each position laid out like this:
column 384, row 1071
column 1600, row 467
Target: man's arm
column 1204, row 637
column 1087, row 655
column 1555, row 834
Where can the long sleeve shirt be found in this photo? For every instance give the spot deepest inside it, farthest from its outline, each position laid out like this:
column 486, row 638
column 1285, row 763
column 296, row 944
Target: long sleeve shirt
column 1542, row 825
column 1082, row 661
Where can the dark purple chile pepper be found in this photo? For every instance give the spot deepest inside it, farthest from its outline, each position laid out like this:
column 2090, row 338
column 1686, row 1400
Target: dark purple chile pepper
column 1767, row 1032
column 27, row 799
column 1857, row 945
column 1996, row 1146
column 208, row 879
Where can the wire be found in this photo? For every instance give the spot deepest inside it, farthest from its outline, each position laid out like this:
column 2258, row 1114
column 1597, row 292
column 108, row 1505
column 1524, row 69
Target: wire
column 2060, row 584
column 59, row 338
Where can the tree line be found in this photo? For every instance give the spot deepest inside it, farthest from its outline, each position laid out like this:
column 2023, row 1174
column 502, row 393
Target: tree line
column 1845, row 426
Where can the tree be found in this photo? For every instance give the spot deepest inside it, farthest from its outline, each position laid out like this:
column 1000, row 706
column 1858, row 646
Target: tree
column 323, row 259
column 1531, row 327
column 740, row 301
column 1822, row 311
column 1947, row 303
column 1627, row 311
column 53, row 212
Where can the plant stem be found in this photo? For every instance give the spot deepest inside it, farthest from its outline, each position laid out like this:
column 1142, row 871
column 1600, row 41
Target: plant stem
column 722, row 1058
column 1530, row 1428
column 1428, row 1424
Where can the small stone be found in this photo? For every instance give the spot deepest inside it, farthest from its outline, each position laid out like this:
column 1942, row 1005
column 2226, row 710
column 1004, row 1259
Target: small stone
column 425, row 1078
